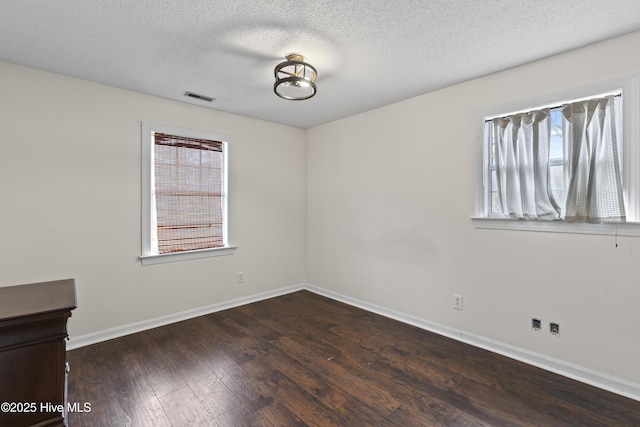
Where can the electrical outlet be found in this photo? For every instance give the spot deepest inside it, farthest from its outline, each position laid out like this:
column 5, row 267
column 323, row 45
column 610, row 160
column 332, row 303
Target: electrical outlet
column 554, row 328
column 457, row 302
column 536, row 324
column 240, row 276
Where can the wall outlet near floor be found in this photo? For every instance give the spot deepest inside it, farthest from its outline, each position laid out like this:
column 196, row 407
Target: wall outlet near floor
column 536, row 324
column 554, row 328
column 240, row 276
column 457, row 302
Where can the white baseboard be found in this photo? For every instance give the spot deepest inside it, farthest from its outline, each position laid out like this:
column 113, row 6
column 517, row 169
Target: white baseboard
column 132, row 328
column 575, row 372
column 578, row 373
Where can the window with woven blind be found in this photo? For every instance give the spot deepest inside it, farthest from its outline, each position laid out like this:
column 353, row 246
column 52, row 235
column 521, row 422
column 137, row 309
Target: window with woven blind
column 184, row 194
column 189, row 194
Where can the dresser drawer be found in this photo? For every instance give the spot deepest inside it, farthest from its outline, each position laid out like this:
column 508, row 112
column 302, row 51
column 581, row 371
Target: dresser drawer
column 33, row 329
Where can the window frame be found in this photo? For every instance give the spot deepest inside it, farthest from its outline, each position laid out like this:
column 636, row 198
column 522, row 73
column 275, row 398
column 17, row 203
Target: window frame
column 630, row 88
column 148, row 257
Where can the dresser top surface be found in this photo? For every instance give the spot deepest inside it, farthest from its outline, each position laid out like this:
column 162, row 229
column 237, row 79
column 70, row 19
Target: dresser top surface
column 36, row 298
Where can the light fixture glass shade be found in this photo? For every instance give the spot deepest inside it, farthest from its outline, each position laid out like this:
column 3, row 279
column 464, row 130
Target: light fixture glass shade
column 295, row 79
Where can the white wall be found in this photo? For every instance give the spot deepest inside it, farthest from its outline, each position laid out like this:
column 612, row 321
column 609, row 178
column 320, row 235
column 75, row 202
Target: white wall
column 390, row 193
column 70, row 200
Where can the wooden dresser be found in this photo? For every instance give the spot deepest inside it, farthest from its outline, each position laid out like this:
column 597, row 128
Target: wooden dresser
column 33, row 330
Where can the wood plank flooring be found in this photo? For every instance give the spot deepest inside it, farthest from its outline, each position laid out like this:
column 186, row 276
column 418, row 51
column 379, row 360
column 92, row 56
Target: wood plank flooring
column 305, row 360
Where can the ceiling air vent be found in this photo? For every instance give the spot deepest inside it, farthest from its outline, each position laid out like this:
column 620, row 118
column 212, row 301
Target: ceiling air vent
column 200, row 97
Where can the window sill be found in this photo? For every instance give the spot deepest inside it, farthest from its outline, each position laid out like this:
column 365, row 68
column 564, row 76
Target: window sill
column 183, row 256
column 625, row 229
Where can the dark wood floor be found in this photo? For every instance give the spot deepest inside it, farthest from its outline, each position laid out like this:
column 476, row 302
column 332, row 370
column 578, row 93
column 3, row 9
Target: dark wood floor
column 302, row 359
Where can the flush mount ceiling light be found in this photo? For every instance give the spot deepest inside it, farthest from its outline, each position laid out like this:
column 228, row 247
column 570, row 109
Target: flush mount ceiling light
column 295, row 79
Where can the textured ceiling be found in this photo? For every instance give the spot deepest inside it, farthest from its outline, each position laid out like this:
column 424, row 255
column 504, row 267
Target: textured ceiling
column 368, row 53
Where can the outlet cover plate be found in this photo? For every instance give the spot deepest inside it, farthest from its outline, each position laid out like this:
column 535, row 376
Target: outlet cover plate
column 536, row 324
column 457, row 302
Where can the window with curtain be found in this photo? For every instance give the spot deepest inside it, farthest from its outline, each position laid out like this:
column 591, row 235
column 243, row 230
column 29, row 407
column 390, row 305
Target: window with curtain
column 185, row 200
column 560, row 162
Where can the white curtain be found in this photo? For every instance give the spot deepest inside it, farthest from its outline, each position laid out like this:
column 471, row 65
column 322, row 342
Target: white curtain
column 521, row 151
column 592, row 162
